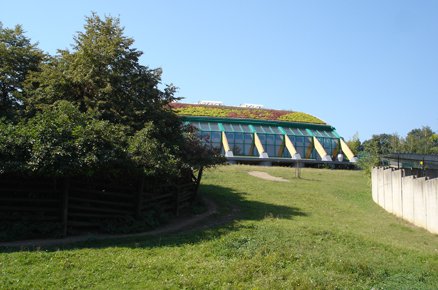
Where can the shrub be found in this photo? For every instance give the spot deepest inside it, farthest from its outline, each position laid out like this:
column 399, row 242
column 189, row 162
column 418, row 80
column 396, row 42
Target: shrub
column 15, row 147
column 68, row 142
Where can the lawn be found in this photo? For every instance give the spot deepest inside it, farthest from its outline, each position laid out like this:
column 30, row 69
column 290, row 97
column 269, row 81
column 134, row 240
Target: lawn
column 320, row 231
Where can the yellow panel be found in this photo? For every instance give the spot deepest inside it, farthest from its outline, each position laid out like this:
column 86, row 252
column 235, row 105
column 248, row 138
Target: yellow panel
column 319, row 148
column 225, row 142
column 347, row 151
column 258, row 144
column 290, row 146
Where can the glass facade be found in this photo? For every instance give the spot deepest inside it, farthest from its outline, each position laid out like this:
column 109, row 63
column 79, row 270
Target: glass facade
column 241, row 139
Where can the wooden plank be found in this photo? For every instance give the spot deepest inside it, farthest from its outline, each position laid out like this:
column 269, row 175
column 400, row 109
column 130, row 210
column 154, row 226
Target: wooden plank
column 28, row 208
column 159, row 197
column 32, row 200
column 11, row 218
column 83, row 224
column 92, row 185
column 92, row 191
column 94, row 209
column 103, row 202
column 93, row 215
column 4, row 190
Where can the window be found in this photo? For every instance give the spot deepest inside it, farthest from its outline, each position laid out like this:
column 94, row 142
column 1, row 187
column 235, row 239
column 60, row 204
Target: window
column 204, row 126
column 214, row 126
column 216, row 137
column 227, row 127
column 236, row 128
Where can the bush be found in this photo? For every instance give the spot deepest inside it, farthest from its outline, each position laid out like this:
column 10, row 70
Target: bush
column 61, row 141
column 15, row 147
column 152, row 156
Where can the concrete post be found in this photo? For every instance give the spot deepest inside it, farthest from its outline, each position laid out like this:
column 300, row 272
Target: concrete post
column 397, row 208
column 388, row 189
column 420, row 216
column 431, row 189
column 408, row 198
column 381, row 186
column 374, row 182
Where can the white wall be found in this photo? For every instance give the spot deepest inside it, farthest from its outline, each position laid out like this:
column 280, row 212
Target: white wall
column 411, row 198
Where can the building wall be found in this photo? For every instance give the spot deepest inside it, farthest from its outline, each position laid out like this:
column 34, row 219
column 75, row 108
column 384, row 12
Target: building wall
column 406, row 196
column 240, row 135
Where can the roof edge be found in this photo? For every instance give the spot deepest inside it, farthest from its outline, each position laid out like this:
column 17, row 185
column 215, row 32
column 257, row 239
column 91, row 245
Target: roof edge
column 258, row 122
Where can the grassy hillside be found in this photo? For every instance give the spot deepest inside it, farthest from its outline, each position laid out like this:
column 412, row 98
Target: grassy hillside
column 321, row 231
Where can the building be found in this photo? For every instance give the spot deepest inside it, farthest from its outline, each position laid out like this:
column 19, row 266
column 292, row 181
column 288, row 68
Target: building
column 252, row 134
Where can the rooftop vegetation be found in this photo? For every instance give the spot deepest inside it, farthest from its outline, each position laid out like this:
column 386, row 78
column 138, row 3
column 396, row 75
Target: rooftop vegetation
column 244, row 113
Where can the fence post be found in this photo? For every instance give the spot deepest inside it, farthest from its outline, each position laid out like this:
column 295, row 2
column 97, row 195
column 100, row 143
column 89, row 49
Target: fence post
column 198, row 180
column 65, row 194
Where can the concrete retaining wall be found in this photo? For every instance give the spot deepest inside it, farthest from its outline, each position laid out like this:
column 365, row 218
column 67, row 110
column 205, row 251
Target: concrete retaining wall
column 411, row 198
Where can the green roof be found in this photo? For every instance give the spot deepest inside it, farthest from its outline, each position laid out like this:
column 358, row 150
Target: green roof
column 245, row 113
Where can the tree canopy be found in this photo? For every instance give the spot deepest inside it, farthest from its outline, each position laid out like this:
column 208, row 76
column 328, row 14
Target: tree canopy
column 102, row 75
column 18, row 58
column 94, row 107
column 419, row 141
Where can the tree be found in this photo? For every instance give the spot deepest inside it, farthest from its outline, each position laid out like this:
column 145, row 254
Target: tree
column 18, row 57
column 422, row 141
column 382, row 144
column 354, row 144
column 102, row 75
column 97, row 108
column 375, row 147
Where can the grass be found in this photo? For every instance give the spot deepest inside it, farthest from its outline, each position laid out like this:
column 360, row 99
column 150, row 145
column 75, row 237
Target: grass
column 321, row 231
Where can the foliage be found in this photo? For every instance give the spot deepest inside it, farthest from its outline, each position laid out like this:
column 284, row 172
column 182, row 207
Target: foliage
column 419, row 141
column 94, row 108
column 422, row 141
column 354, row 144
column 18, row 57
column 151, row 155
column 322, row 231
column 244, row 113
column 14, row 147
column 300, row 118
column 102, row 75
column 61, row 141
column 196, row 153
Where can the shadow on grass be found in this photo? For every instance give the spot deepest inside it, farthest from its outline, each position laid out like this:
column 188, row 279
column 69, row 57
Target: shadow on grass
column 232, row 206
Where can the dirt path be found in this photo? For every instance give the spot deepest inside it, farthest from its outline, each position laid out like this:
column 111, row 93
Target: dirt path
column 266, row 176
column 178, row 224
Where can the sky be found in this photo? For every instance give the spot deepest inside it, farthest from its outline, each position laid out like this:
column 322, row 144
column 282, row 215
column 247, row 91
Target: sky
column 364, row 67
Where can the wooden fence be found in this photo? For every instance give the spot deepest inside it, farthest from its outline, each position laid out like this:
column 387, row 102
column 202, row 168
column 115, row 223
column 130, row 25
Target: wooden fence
column 79, row 204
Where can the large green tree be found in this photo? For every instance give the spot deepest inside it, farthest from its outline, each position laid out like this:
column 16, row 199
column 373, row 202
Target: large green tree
column 102, row 75
column 18, row 57
column 422, row 141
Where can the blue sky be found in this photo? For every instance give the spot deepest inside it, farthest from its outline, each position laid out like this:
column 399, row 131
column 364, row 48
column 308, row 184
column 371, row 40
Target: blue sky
column 362, row 66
